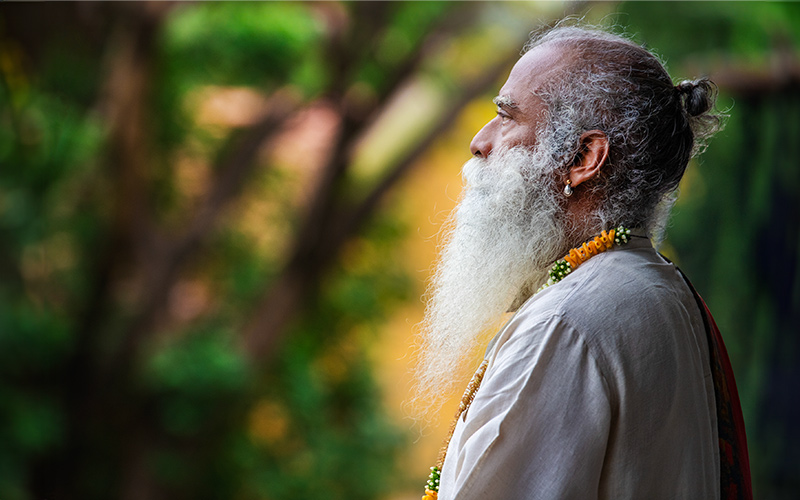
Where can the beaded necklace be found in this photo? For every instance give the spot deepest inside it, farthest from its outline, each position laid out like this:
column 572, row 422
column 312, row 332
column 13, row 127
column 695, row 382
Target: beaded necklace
column 559, row 271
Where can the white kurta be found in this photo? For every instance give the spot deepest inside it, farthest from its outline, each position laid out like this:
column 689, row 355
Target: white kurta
column 599, row 387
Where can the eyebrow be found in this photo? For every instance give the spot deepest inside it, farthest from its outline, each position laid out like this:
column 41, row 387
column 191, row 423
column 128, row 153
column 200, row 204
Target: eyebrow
column 504, row 101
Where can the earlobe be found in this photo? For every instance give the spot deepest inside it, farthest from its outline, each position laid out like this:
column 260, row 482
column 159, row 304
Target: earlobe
column 592, row 155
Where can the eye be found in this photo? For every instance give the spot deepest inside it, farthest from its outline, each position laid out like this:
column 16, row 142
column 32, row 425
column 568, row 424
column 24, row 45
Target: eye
column 504, row 117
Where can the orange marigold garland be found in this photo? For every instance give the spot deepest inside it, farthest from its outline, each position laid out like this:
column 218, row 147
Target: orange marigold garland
column 581, row 254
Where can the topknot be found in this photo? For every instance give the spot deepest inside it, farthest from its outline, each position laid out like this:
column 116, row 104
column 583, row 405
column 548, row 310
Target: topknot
column 697, row 96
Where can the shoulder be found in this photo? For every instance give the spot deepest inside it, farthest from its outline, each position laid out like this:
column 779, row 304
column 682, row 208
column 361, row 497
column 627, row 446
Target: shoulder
column 617, row 291
column 622, row 305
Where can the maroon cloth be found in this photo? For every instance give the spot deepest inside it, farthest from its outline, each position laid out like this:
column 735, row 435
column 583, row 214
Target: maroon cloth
column 734, row 461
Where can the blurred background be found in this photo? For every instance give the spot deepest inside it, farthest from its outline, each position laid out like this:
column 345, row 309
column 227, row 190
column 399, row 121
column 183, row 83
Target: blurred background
column 217, row 220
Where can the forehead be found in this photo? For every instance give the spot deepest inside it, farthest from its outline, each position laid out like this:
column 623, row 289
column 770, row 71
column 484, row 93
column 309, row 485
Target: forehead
column 538, row 66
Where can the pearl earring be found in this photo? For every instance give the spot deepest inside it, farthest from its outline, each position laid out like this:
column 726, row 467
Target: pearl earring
column 568, row 189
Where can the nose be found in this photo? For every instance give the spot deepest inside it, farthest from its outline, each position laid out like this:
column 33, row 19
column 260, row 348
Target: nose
column 481, row 145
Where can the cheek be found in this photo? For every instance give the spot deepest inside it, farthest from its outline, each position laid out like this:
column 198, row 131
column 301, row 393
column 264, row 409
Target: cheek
column 521, row 135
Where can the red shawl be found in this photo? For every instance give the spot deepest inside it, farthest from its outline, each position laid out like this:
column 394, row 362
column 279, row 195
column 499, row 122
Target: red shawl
column 734, row 462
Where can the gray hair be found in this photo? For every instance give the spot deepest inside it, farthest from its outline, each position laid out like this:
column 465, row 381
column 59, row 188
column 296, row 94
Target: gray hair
column 654, row 127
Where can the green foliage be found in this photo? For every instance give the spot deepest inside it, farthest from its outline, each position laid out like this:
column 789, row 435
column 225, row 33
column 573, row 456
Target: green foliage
column 221, row 43
column 193, row 376
column 315, row 428
column 741, row 31
column 335, row 444
column 191, row 404
column 326, row 421
column 409, row 25
column 32, row 340
column 47, row 150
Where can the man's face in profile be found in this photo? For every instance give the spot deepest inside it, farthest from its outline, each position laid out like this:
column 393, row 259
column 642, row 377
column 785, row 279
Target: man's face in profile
column 520, row 111
column 507, row 229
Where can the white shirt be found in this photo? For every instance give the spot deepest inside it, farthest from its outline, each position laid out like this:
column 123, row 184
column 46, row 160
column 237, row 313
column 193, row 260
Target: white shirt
column 599, row 387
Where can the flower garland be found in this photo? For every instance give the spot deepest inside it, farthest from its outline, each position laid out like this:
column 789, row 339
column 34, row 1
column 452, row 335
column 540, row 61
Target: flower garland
column 559, row 271
column 581, row 254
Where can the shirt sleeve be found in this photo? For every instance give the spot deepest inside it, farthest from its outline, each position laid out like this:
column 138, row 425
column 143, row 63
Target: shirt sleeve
column 538, row 427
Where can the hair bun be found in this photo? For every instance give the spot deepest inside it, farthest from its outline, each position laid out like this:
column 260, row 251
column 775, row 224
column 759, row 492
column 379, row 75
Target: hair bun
column 697, row 96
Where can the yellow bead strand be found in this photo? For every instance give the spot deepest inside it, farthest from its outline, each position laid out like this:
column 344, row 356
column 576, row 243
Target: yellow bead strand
column 466, row 401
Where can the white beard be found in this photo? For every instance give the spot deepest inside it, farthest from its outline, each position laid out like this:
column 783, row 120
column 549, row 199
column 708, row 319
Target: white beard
column 507, row 233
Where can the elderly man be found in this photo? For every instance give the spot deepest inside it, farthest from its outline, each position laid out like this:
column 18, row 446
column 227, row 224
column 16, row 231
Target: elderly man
column 610, row 380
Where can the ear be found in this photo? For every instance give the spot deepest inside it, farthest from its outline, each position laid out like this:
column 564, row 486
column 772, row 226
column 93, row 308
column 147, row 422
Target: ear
column 592, row 155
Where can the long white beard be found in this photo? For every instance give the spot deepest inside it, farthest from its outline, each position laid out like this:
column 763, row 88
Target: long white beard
column 507, row 233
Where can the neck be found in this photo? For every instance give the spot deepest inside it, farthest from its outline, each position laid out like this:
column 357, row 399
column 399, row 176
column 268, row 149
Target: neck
column 581, row 216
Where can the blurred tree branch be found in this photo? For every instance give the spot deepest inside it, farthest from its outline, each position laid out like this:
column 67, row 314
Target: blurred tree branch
column 234, row 166
column 331, row 221
column 129, row 75
column 346, row 51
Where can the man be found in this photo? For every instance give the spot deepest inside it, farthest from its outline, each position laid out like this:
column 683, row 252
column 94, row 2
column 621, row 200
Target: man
column 611, row 381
